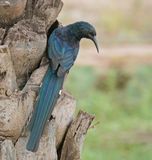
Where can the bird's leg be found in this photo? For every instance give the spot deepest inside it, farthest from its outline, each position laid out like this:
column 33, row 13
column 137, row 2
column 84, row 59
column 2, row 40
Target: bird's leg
column 60, row 72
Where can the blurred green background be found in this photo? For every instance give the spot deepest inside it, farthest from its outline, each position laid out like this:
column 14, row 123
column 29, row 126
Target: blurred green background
column 116, row 85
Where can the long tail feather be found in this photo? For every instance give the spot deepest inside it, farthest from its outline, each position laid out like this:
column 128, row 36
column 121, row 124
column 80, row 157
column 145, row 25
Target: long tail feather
column 40, row 97
column 48, row 96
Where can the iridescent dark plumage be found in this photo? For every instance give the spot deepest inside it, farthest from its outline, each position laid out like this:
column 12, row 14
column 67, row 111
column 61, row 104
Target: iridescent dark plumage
column 63, row 47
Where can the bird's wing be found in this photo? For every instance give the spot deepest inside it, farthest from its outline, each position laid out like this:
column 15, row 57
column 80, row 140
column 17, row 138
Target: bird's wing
column 55, row 48
column 66, row 62
column 61, row 53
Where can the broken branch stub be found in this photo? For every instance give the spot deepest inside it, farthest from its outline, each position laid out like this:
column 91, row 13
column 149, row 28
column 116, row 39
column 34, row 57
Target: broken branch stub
column 75, row 136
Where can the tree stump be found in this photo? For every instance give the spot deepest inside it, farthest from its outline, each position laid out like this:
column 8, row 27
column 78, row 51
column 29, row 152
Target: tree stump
column 24, row 26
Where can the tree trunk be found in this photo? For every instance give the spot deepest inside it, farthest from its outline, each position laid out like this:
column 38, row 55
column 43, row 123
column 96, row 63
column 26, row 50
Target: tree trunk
column 24, row 26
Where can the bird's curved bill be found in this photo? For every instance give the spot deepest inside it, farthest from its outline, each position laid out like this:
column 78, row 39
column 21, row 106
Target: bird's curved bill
column 95, row 42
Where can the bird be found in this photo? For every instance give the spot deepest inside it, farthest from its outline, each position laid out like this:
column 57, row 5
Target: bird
column 63, row 47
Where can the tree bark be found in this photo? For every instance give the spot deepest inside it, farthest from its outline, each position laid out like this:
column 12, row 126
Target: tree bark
column 24, row 26
column 74, row 139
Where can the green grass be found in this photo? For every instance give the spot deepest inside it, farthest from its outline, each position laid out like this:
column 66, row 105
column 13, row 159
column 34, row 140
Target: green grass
column 121, row 101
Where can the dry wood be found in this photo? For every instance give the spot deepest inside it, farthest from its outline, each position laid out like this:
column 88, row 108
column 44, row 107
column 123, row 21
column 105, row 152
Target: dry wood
column 74, row 139
column 8, row 151
column 14, row 112
column 11, row 10
column 27, row 39
column 2, row 33
column 7, row 74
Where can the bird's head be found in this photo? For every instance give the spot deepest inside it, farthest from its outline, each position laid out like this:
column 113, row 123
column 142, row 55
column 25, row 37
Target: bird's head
column 86, row 30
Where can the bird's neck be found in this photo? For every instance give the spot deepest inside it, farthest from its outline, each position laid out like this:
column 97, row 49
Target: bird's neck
column 73, row 33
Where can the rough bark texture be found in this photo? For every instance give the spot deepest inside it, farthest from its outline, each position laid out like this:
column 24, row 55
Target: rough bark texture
column 7, row 72
column 24, row 25
column 8, row 151
column 74, row 139
column 2, row 33
column 11, row 10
